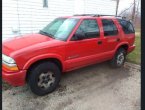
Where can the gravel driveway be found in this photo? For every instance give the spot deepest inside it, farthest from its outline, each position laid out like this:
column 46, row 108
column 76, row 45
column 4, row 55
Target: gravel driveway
column 97, row 87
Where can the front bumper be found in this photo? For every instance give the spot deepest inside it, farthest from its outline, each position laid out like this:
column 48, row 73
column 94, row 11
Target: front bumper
column 14, row 78
column 131, row 48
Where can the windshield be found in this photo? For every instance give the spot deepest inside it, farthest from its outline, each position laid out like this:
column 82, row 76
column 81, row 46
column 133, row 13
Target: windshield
column 60, row 28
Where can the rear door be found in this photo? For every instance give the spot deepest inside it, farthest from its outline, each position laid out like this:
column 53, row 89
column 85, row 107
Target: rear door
column 111, row 35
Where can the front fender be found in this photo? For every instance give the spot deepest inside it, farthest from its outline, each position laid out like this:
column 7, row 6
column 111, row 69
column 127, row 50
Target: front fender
column 40, row 57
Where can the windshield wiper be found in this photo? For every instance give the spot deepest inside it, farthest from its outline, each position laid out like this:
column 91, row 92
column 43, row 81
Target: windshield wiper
column 47, row 34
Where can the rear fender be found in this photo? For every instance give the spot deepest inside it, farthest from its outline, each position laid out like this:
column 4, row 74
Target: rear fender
column 119, row 45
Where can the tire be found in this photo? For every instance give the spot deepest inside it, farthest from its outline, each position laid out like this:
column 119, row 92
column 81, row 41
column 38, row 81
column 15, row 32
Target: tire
column 44, row 78
column 119, row 58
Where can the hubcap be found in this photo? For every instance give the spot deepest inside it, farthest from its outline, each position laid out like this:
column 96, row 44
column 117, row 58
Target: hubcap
column 120, row 59
column 45, row 80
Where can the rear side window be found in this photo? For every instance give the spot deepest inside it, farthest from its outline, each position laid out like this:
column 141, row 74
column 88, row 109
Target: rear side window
column 126, row 26
column 109, row 27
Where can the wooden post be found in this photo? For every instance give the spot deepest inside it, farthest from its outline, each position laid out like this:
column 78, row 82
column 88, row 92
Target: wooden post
column 117, row 5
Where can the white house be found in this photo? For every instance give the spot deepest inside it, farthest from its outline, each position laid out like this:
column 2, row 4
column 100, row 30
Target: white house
column 29, row 16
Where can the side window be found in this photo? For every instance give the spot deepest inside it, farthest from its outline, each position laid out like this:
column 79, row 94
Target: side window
column 89, row 28
column 126, row 26
column 109, row 27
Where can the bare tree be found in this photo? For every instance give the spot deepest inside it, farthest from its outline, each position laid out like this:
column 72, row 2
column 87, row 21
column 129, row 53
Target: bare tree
column 137, row 19
column 133, row 11
column 137, row 12
column 126, row 10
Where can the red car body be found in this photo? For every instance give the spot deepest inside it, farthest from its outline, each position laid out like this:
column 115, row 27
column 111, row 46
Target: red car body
column 29, row 49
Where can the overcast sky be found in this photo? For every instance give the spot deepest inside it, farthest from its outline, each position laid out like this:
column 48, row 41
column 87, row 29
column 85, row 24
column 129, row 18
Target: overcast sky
column 124, row 4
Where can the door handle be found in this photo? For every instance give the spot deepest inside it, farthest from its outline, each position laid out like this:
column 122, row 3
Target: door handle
column 118, row 39
column 99, row 42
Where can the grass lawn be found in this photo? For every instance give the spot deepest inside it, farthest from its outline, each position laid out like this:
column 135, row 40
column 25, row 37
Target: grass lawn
column 135, row 56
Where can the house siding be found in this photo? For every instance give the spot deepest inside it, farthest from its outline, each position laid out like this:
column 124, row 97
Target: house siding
column 29, row 16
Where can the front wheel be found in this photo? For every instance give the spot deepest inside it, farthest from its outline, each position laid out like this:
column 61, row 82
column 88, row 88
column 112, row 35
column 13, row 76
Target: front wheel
column 44, row 78
column 119, row 58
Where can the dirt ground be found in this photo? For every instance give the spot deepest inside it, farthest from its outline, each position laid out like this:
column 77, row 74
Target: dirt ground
column 97, row 87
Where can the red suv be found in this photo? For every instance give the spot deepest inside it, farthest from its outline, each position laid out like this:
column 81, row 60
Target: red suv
column 67, row 43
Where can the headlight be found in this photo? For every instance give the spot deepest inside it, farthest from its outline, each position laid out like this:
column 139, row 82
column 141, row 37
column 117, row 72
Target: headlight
column 8, row 59
column 9, row 63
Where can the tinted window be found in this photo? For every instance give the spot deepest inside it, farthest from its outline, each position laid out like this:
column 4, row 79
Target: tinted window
column 109, row 28
column 89, row 28
column 126, row 26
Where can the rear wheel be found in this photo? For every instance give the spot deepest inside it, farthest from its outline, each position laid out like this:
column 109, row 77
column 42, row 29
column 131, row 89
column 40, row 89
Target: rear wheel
column 44, row 78
column 119, row 58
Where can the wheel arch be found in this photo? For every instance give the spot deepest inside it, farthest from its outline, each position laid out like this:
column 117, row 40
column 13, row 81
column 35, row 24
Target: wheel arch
column 42, row 58
column 36, row 62
column 58, row 60
column 122, row 45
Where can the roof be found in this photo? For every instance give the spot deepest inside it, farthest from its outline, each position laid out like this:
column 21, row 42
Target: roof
column 93, row 16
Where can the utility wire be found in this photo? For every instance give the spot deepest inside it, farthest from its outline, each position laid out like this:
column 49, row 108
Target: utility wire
column 126, row 9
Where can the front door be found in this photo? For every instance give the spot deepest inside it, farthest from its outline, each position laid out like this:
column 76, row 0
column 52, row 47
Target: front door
column 82, row 51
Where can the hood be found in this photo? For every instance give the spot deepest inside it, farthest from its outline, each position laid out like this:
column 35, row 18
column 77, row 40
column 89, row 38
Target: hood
column 25, row 41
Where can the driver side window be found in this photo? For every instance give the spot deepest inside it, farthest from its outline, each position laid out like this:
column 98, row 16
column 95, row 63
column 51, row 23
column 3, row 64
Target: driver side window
column 88, row 29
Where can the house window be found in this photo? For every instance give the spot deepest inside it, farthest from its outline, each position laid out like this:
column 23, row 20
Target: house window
column 45, row 3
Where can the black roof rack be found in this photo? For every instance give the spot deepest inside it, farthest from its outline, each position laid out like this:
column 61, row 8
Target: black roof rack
column 97, row 15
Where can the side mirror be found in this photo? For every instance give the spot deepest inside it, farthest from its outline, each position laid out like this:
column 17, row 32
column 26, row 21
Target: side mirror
column 78, row 36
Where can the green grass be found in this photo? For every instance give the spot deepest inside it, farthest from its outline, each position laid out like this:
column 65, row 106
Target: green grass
column 135, row 56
